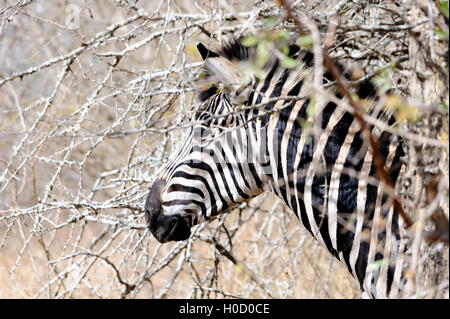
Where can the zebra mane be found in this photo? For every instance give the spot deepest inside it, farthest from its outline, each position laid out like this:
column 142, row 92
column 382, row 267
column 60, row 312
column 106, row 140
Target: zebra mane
column 234, row 50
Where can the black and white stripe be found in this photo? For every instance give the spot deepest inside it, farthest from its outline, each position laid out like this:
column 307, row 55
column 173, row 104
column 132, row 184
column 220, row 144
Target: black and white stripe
column 326, row 177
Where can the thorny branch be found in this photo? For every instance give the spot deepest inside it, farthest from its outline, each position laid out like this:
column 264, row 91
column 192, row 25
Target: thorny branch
column 358, row 108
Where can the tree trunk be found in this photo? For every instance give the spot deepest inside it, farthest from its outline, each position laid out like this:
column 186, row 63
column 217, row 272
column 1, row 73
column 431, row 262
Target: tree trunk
column 428, row 56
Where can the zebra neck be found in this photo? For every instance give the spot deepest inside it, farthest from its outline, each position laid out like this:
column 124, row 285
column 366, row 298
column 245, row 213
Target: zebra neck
column 326, row 180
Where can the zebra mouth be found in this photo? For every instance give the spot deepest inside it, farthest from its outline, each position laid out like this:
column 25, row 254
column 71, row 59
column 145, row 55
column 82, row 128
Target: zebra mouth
column 172, row 228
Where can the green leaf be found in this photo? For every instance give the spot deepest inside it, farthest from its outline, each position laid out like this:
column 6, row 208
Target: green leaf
column 289, row 62
column 380, row 262
column 308, row 140
column 305, row 41
column 262, row 54
column 270, row 22
column 282, row 35
column 382, row 81
column 444, row 8
column 250, row 41
column 444, row 107
column 304, row 124
column 404, row 111
column 441, row 34
column 311, row 110
column 249, row 70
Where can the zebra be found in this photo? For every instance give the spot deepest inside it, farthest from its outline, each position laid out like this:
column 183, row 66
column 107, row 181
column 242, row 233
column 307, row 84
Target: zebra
column 253, row 134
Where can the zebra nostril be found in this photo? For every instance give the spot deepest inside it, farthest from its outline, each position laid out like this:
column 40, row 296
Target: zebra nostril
column 190, row 217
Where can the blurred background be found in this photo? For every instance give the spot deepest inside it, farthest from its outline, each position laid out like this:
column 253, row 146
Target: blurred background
column 94, row 96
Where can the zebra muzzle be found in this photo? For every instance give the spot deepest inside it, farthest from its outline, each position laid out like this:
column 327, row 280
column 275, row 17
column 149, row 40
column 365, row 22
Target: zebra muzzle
column 153, row 205
column 164, row 228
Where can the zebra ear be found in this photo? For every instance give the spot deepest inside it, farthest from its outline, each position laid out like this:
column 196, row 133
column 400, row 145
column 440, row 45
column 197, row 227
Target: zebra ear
column 225, row 74
column 223, row 70
column 205, row 53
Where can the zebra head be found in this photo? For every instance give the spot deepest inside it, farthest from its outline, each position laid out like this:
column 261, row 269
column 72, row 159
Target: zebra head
column 212, row 171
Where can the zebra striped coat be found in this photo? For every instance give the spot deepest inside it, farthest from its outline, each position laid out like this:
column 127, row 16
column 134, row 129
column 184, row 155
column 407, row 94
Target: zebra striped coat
column 265, row 133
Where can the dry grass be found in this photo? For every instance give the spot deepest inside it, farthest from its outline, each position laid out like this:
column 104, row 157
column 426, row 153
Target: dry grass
column 292, row 266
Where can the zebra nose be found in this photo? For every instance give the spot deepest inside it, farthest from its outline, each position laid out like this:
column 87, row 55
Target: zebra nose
column 153, row 204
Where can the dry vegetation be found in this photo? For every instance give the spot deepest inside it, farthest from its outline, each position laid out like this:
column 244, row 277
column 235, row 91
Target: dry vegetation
column 95, row 94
